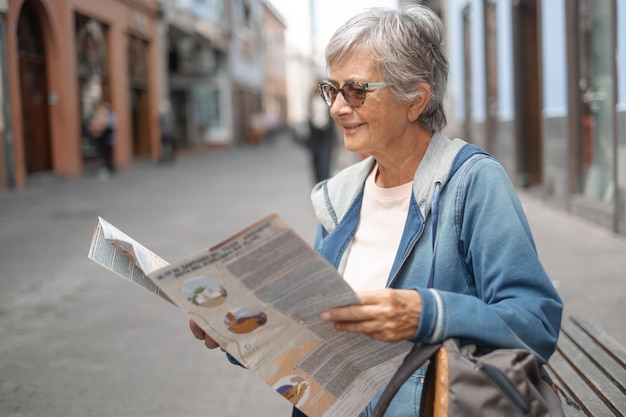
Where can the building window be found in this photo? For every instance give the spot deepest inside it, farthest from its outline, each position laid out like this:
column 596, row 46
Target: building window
column 246, row 31
column 596, row 158
column 207, row 116
column 207, row 9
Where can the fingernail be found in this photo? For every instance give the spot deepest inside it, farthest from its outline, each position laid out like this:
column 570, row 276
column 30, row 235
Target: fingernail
column 325, row 316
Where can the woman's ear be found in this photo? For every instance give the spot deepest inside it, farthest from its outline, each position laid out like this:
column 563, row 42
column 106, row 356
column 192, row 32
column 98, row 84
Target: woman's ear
column 419, row 104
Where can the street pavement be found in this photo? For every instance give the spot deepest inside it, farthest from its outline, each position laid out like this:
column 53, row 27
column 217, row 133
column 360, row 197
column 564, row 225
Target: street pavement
column 77, row 341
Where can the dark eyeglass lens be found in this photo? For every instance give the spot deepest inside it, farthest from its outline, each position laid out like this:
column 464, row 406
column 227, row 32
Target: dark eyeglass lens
column 352, row 93
column 355, row 95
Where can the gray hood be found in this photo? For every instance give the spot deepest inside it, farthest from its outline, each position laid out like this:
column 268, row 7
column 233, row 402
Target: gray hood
column 332, row 198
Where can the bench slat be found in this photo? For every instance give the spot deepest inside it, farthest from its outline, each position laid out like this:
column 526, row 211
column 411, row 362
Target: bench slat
column 612, row 346
column 570, row 381
column 594, row 377
column 599, row 355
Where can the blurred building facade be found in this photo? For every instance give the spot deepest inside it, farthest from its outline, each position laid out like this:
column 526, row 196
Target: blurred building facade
column 219, row 63
column 305, row 66
column 195, row 77
column 275, row 86
column 247, row 69
column 62, row 57
column 223, row 70
column 539, row 85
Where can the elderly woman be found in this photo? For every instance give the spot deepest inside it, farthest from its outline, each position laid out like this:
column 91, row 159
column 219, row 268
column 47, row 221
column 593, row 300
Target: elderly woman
column 386, row 81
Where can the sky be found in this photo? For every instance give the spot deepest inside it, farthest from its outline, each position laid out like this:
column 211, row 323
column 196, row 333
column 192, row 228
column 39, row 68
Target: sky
column 330, row 15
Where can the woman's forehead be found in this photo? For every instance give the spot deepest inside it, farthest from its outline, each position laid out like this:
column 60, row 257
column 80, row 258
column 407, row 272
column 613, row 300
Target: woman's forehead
column 356, row 65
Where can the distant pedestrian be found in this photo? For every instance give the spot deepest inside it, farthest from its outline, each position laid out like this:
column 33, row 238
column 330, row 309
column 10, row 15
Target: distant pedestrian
column 168, row 139
column 102, row 128
column 321, row 139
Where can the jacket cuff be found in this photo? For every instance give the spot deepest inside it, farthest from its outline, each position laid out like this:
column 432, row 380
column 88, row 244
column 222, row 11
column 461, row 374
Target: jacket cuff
column 431, row 322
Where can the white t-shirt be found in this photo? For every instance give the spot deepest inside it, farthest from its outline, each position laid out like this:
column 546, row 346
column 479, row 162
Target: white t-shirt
column 374, row 246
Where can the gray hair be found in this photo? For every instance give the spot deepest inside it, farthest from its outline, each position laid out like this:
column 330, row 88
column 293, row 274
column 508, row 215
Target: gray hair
column 409, row 47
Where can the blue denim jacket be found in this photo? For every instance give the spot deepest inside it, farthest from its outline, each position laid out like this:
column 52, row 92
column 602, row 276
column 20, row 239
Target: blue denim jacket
column 489, row 288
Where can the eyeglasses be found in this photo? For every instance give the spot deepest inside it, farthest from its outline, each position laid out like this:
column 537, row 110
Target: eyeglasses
column 352, row 92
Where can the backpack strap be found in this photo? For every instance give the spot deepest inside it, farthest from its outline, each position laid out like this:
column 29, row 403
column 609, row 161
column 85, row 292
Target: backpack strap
column 465, row 153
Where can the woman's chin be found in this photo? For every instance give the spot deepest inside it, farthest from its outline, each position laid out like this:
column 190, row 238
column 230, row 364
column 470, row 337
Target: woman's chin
column 353, row 145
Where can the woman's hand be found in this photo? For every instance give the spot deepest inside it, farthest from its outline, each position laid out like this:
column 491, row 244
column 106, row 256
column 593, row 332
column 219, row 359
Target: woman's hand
column 388, row 314
column 201, row 335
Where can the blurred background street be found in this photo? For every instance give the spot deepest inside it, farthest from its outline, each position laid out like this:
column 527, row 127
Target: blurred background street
column 78, row 341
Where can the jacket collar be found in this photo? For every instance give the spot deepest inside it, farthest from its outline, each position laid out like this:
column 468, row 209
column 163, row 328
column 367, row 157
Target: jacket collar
column 332, row 198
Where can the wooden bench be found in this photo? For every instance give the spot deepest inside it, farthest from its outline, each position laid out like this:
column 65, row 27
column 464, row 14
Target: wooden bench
column 590, row 366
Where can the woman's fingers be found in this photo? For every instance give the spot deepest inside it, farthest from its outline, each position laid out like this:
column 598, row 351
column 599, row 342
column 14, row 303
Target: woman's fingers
column 390, row 315
column 197, row 331
column 200, row 334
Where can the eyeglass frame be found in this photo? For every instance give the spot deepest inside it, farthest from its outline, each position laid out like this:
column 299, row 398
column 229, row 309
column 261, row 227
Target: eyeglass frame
column 364, row 86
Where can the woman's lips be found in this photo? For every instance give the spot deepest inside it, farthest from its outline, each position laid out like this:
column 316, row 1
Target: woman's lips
column 351, row 127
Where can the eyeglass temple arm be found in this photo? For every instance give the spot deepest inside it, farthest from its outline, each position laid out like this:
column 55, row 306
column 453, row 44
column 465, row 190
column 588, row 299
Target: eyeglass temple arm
column 368, row 85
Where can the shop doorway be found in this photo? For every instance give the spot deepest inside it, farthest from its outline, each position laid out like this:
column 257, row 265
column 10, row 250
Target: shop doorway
column 139, row 121
column 179, row 101
column 527, row 81
column 138, row 96
column 34, row 89
column 249, row 110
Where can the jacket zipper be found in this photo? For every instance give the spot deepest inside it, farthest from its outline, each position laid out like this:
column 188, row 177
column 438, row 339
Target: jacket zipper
column 411, row 246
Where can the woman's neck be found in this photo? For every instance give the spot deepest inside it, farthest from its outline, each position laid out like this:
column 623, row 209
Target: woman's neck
column 398, row 166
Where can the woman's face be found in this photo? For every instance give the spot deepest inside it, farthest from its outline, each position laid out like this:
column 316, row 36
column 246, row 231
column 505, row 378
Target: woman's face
column 383, row 123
